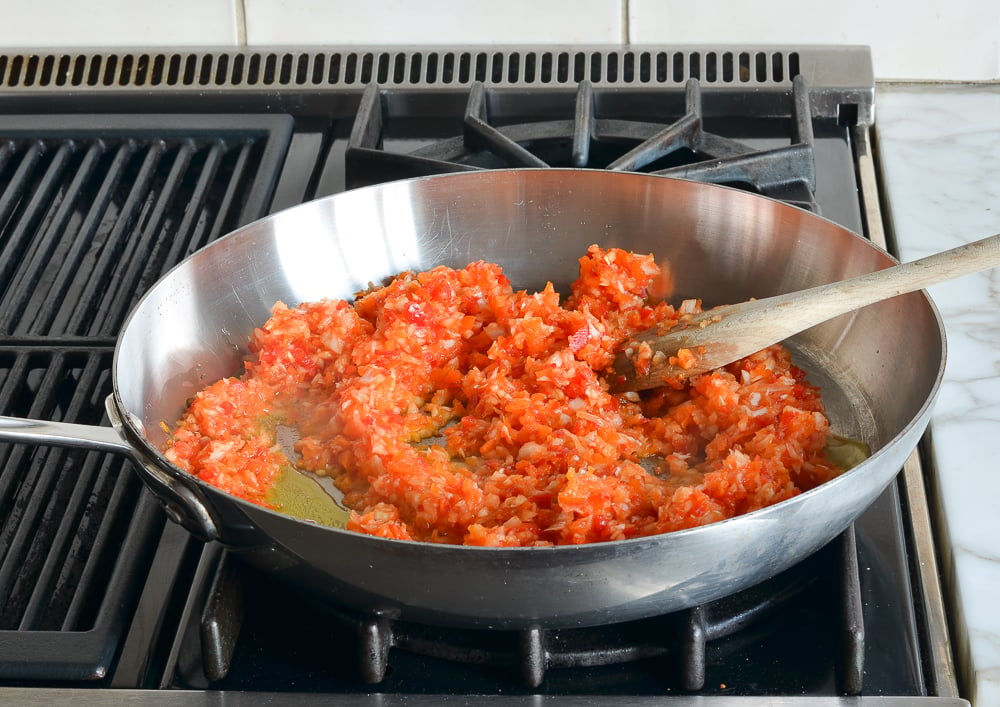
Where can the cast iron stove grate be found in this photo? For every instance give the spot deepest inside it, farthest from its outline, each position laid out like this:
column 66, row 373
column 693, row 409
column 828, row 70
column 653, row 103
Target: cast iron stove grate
column 682, row 148
column 92, row 210
column 242, row 617
column 630, row 115
column 74, row 525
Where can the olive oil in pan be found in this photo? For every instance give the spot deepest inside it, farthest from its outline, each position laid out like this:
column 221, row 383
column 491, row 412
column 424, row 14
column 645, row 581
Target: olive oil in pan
column 303, row 496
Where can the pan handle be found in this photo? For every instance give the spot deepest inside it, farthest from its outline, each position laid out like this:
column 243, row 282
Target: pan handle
column 179, row 502
column 62, row 434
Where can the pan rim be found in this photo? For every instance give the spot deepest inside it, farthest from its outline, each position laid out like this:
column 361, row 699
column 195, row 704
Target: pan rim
column 137, row 436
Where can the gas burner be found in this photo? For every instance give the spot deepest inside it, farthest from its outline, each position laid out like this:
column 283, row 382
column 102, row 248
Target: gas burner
column 681, row 148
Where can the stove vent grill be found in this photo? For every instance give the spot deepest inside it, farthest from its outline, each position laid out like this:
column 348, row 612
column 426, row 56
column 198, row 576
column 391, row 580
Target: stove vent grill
column 434, row 68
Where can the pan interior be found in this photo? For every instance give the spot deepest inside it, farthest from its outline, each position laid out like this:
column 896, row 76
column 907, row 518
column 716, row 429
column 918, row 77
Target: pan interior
column 850, row 411
column 722, row 245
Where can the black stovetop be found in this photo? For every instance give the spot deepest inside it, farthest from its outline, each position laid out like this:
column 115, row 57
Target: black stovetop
column 103, row 188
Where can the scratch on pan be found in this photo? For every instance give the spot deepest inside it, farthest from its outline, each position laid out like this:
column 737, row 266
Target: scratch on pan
column 447, row 223
column 243, row 306
column 456, row 242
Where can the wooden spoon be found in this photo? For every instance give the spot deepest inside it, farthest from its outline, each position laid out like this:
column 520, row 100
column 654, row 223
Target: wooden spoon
column 725, row 334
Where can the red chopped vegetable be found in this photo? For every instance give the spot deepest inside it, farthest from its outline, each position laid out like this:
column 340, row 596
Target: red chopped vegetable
column 451, row 409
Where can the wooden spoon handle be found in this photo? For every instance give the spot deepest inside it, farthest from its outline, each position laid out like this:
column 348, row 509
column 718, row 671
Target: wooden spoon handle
column 725, row 334
column 807, row 308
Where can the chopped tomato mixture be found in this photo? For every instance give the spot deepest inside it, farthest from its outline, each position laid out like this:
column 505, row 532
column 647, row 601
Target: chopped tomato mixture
column 450, row 408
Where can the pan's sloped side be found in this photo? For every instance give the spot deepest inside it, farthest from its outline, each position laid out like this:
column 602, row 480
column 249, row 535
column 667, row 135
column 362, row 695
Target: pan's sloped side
column 575, row 586
column 723, row 245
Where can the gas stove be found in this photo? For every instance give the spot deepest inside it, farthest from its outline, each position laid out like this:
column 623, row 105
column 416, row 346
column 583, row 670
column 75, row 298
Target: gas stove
column 116, row 165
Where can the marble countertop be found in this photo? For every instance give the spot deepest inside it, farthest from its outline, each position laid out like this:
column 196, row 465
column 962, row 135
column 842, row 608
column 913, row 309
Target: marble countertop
column 939, row 150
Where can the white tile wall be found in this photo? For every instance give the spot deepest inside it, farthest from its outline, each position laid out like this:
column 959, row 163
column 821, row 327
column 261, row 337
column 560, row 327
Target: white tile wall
column 119, row 23
column 435, row 22
column 936, row 39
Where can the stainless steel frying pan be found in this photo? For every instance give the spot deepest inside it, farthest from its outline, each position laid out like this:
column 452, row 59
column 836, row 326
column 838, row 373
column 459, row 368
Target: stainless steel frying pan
column 879, row 369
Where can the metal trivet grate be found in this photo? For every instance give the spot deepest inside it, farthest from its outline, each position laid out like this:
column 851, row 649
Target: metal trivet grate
column 679, row 642
column 92, row 210
column 587, row 139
